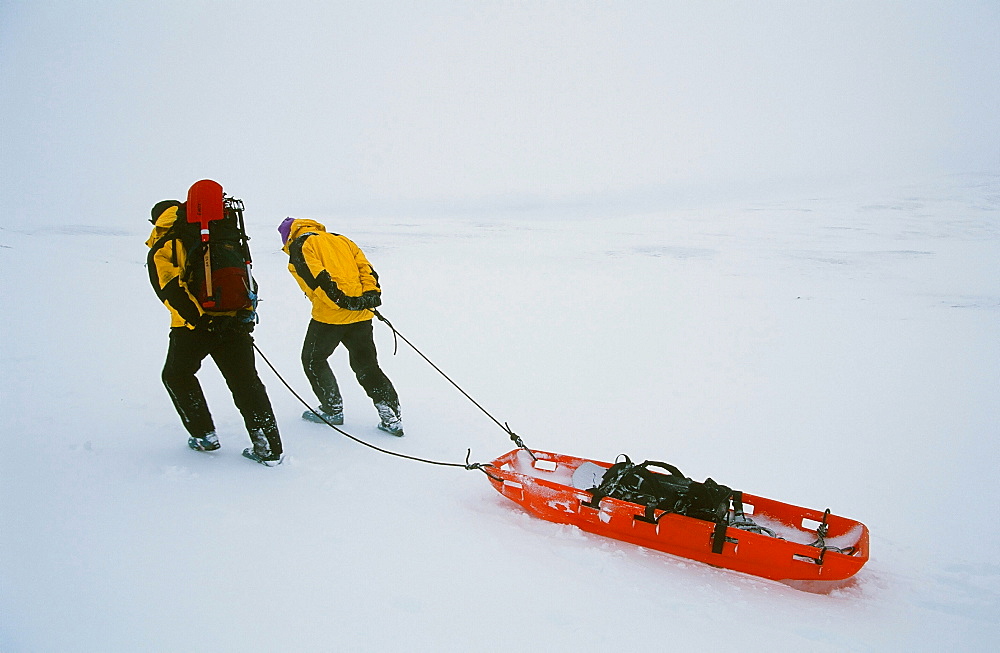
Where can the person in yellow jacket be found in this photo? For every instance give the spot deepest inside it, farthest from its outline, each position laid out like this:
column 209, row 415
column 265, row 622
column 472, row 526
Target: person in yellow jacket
column 196, row 334
column 343, row 288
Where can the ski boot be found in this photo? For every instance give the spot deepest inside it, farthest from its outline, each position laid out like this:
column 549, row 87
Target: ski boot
column 326, row 415
column 267, row 458
column 261, row 451
column 392, row 421
column 207, row 442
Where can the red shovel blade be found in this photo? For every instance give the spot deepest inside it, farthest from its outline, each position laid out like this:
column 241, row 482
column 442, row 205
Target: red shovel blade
column 205, row 204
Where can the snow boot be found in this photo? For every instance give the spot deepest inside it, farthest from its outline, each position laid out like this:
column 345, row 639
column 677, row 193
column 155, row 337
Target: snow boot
column 261, row 451
column 392, row 421
column 207, row 442
column 327, row 415
column 267, row 459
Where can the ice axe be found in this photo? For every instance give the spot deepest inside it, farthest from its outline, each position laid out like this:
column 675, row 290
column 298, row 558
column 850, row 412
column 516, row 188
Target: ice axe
column 204, row 205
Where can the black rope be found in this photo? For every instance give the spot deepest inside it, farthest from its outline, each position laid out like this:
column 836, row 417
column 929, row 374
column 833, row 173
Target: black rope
column 513, row 436
column 467, row 465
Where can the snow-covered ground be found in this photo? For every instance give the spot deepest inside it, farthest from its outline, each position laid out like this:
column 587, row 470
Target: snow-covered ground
column 831, row 351
column 757, row 240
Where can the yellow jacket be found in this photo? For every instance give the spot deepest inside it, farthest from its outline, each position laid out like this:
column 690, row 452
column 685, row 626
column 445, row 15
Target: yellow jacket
column 166, row 266
column 330, row 269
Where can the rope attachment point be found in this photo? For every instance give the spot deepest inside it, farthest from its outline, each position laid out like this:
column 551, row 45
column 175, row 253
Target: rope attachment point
column 516, row 439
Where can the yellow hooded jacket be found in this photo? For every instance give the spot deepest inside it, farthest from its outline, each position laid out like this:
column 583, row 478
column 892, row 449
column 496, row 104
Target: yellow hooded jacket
column 328, row 266
column 166, row 267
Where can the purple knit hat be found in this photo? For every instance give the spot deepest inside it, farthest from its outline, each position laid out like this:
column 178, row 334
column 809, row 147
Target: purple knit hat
column 284, row 228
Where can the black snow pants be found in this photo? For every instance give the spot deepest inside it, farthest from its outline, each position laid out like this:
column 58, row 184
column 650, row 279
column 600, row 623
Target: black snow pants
column 321, row 340
column 232, row 352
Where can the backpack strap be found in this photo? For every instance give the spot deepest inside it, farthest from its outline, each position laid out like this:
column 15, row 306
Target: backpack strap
column 670, row 469
column 609, row 482
column 649, row 514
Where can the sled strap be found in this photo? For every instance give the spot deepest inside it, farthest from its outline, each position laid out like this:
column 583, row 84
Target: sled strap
column 719, row 537
column 738, row 505
column 598, row 493
column 649, row 515
column 609, row 483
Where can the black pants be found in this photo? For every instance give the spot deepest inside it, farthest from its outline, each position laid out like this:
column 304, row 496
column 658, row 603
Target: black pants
column 322, row 339
column 232, row 352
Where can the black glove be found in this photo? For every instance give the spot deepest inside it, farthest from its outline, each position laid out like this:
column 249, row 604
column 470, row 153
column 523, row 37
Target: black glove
column 215, row 323
column 368, row 299
column 349, row 303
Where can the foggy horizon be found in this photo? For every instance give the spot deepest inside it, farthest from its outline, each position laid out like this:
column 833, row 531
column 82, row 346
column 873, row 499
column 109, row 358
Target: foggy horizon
column 308, row 107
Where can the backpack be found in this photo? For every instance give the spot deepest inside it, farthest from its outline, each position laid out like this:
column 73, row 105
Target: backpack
column 226, row 283
column 671, row 492
column 217, row 263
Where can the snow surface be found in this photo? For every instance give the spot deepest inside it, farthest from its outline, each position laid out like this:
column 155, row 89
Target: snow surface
column 831, row 352
column 758, row 241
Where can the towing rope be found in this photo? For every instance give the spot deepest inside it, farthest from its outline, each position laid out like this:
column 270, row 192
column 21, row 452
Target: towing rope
column 515, row 438
column 466, row 465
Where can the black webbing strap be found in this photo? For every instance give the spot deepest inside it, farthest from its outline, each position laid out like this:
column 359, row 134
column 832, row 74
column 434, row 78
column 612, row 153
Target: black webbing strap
column 648, row 515
column 608, row 484
column 737, row 498
column 666, row 466
column 719, row 537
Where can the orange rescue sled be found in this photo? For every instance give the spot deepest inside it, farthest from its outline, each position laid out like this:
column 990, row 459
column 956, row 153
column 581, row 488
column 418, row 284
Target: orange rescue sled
column 809, row 549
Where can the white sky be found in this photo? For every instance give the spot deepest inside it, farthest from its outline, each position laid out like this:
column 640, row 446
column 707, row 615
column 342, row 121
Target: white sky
column 310, row 106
